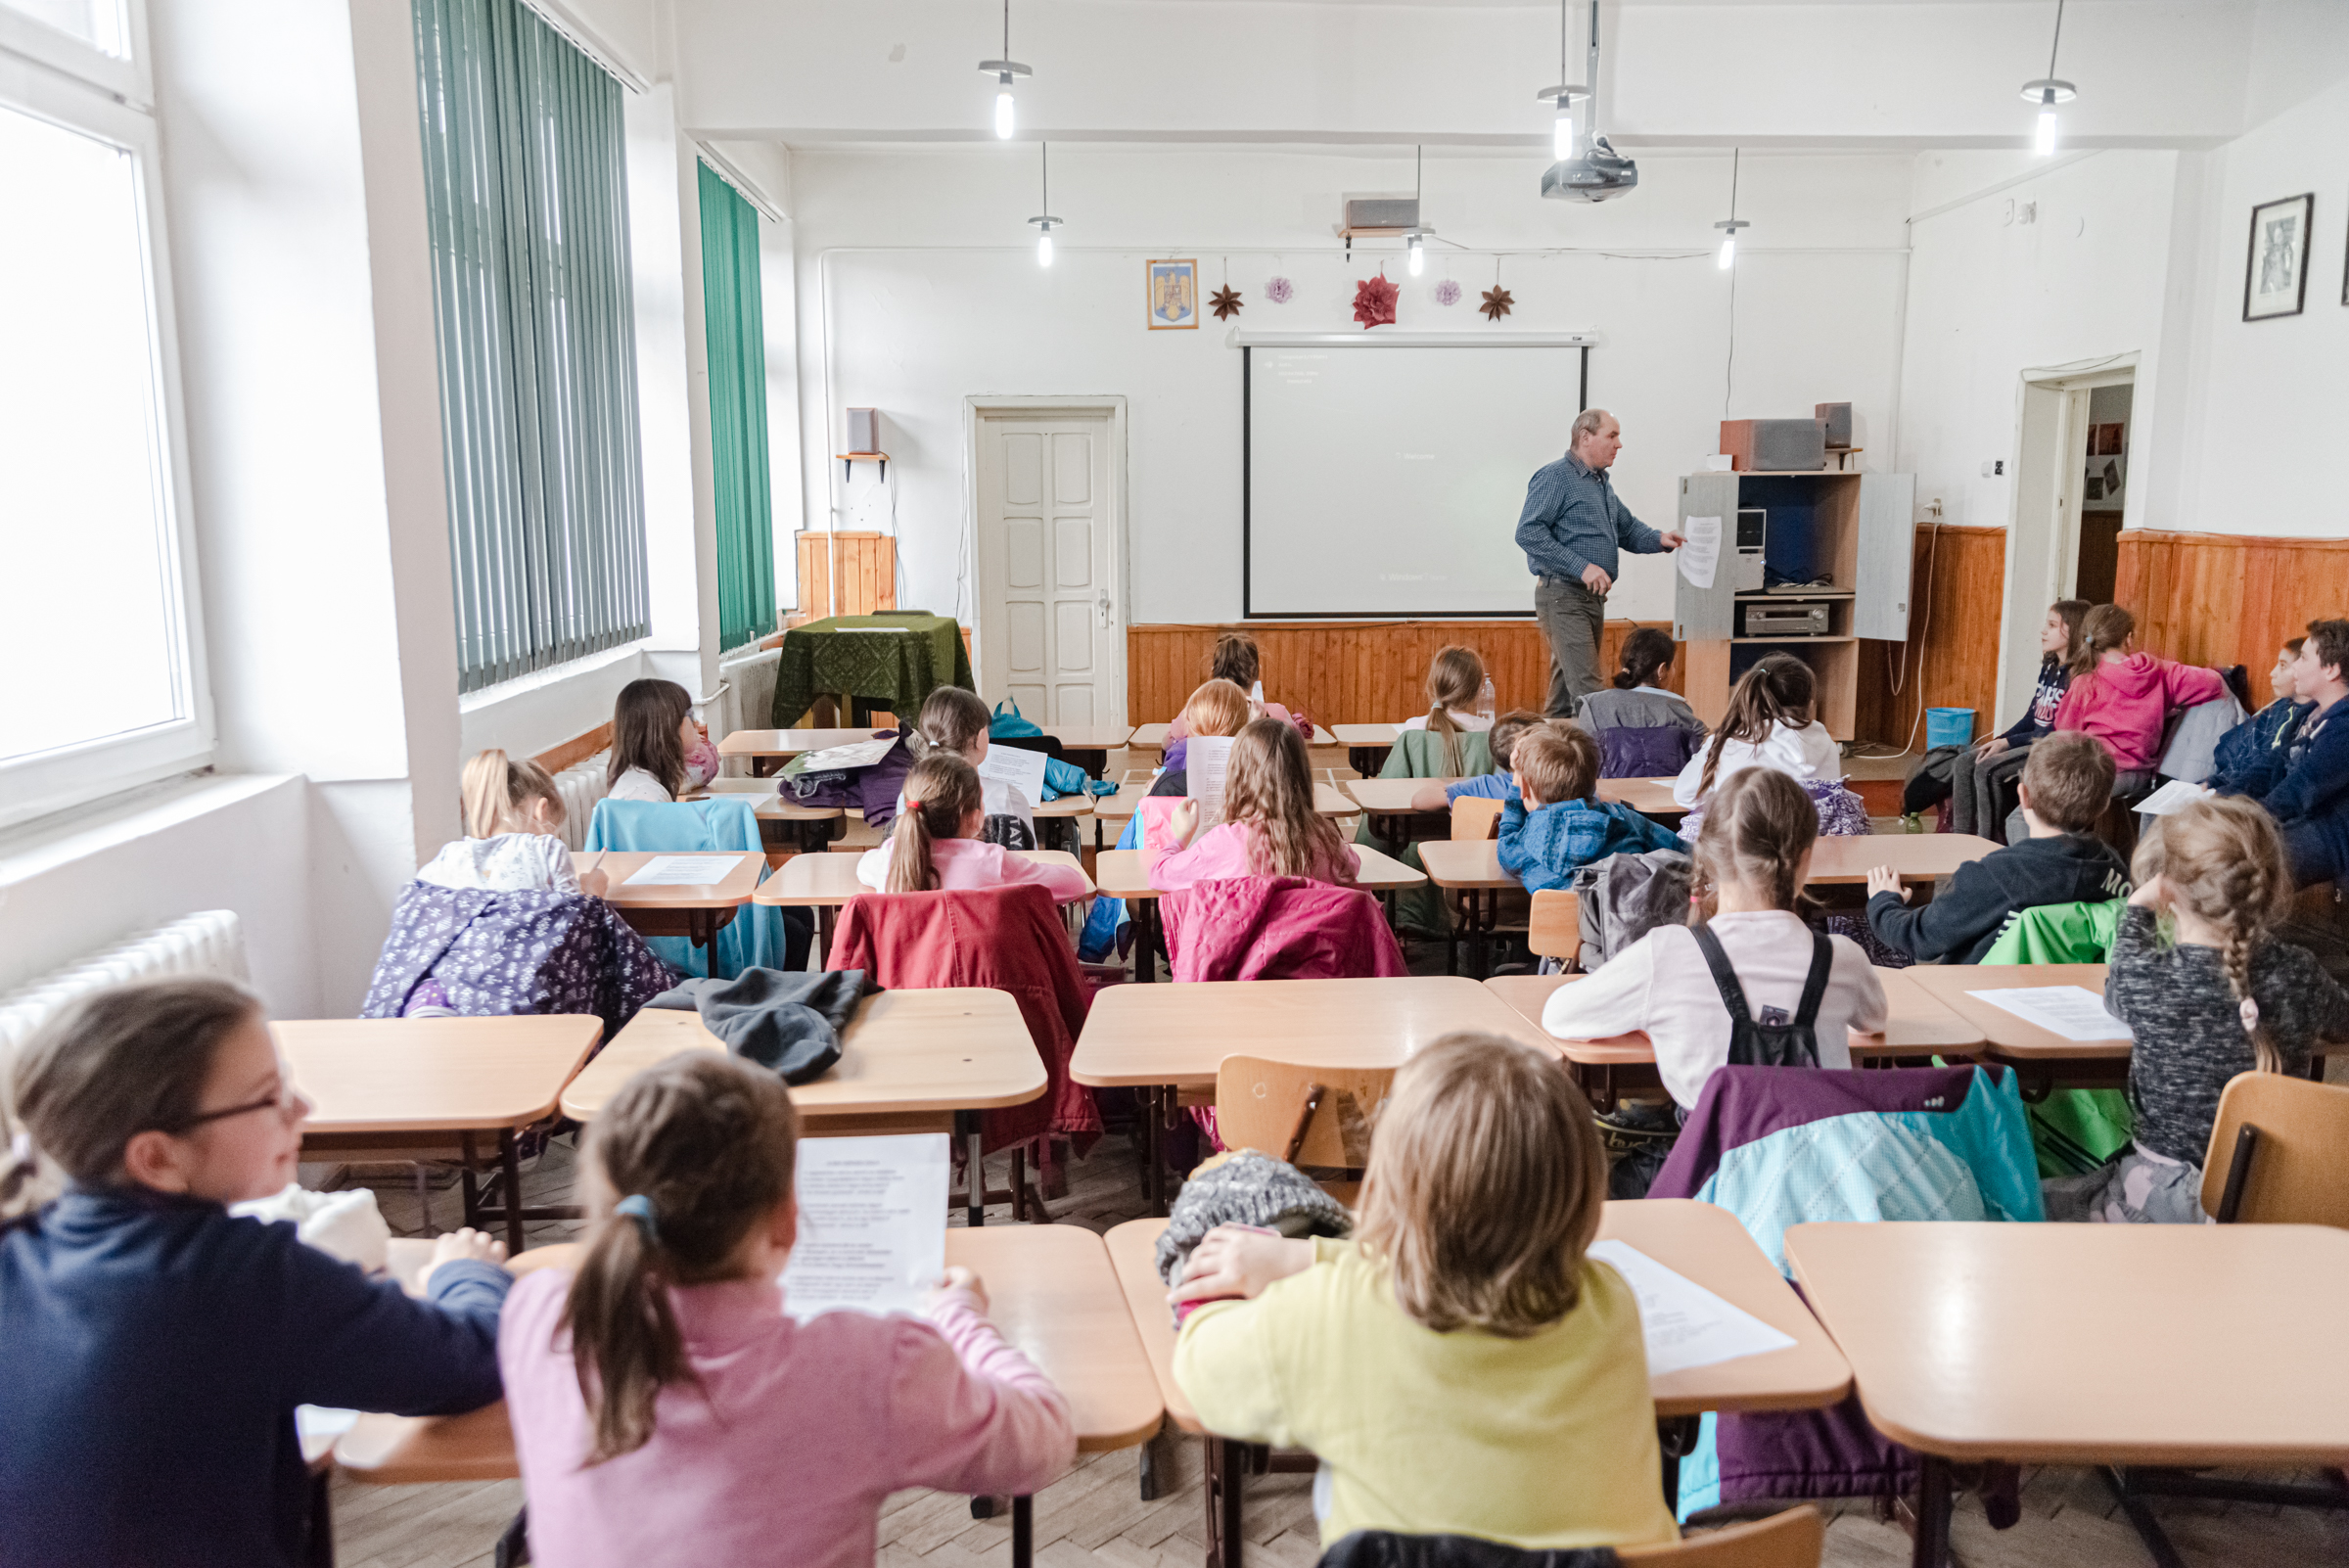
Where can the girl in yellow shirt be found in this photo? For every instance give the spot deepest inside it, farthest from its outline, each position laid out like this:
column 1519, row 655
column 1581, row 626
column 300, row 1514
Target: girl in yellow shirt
column 1459, row 1366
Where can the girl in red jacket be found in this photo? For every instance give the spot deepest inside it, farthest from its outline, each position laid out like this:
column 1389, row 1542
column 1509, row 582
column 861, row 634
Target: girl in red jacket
column 2124, row 698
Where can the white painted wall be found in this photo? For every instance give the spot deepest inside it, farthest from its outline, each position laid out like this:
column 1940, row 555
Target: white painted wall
column 919, row 287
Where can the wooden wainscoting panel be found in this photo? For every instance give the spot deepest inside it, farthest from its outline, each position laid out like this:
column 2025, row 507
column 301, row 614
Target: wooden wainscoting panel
column 1951, row 659
column 867, row 564
column 1351, row 672
column 576, row 750
column 2226, row 598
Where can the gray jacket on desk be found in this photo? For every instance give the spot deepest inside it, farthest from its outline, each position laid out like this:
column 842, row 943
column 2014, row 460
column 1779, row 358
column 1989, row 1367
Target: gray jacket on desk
column 1573, row 519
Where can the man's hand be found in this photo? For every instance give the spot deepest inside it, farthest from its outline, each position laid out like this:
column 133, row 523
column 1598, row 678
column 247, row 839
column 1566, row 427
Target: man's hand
column 1884, row 879
column 1596, row 578
column 1673, row 542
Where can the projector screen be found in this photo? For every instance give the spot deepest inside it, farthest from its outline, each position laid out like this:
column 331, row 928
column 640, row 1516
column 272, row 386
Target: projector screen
column 1386, row 478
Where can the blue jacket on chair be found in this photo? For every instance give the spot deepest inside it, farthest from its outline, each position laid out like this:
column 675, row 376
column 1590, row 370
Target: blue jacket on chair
column 1544, row 847
column 758, row 935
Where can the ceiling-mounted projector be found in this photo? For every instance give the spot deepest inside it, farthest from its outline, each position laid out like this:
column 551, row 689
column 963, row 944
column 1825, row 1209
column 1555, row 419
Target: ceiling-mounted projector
column 1598, row 175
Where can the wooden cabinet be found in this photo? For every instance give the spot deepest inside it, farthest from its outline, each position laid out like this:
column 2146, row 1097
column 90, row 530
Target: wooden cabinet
column 1834, row 552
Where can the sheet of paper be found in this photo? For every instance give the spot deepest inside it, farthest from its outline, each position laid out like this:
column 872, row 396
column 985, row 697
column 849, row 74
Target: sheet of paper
column 322, row 1422
column 872, row 1225
column 2174, row 796
column 2072, row 1011
column 1256, row 694
column 856, row 753
column 1686, row 1324
column 1702, row 553
column 1021, row 771
column 1204, row 761
column 681, row 871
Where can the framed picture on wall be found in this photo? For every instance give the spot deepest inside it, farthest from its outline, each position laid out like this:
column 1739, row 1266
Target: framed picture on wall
column 1174, row 294
column 2275, row 272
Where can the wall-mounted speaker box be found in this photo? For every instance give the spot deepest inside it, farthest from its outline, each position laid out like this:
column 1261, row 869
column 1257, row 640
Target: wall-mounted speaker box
column 865, row 429
column 1775, row 445
column 1382, row 212
column 1837, row 417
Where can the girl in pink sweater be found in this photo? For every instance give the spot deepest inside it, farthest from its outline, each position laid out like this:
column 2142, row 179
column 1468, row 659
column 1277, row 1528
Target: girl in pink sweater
column 666, row 1406
column 935, row 842
column 1269, row 827
column 2124, row 698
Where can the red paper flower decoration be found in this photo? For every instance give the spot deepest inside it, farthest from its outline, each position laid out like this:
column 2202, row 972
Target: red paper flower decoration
column 1374, row 303
column 1224, row 303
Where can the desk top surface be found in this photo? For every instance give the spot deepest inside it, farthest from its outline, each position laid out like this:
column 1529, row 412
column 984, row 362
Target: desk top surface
column 1089, row 737
column 1118, row 873
column 807, row 880
column 791, row 742
column 2016, row 1037
column 1363, row 734
column 414, row 1074
column 1651, row 796
column 734, row 878
column 1920, row 856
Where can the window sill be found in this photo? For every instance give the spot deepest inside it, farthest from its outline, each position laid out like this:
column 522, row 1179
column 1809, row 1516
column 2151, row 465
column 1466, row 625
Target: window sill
column 64, row 837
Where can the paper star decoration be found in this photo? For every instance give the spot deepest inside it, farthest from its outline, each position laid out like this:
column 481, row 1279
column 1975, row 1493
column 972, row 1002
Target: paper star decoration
column 1496, row 303
column 1374, row 301
column 1224, row 301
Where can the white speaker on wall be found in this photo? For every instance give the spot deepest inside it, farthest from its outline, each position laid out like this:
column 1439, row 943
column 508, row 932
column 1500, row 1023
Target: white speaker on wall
column 865, row 429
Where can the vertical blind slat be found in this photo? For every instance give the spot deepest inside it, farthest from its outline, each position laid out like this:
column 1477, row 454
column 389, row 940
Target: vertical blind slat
column 735, row 330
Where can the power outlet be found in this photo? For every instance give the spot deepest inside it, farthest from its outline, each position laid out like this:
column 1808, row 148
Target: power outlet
column 1994, row 468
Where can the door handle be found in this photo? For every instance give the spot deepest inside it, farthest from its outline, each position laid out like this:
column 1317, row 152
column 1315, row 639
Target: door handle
column 1103, row 604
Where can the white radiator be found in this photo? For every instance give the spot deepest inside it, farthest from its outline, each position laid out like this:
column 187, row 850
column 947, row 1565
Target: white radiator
column 581, row 785
column 208, row 942
column 748, row 695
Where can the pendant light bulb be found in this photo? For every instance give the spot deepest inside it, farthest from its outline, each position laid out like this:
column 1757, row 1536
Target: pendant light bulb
column 1729, row 251
column 2047, row 91
column 2044, row 144
column 1561, row 141
column 1418, row 254
column 1004, row 70
column 1003, row 108
column 1043, row 249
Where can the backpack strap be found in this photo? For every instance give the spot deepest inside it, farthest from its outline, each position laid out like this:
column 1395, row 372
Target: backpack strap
column 1815, row 984
column 1724, row 977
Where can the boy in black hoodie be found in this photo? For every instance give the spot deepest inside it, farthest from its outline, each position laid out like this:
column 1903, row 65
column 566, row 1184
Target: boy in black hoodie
column 2065, row 786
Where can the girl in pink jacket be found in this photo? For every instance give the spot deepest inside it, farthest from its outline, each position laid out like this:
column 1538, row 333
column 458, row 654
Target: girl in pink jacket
column 935, row 844
column 2124, row 697
column 666, row 1406
column 1269, row 827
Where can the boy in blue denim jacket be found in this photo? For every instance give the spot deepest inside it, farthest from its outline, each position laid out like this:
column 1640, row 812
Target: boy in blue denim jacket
column 1552, row 823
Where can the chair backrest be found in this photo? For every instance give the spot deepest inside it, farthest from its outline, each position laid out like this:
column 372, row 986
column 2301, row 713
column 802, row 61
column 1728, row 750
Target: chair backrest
column 2279, row 1153
column 1555, row 930
column 1263, row 1105
column 1791, row 1539
column 1475, row 818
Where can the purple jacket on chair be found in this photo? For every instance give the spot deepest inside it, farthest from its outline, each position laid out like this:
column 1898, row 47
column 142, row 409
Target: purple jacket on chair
column 499, row 953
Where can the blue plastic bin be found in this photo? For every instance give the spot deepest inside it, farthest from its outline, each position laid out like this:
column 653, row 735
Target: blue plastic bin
column 1948, row 726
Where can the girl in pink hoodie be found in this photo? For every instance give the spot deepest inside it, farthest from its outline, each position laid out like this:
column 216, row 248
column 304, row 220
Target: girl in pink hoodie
column 668, row 1408
column 2124, row 697
column 1269, row 827
column 935, row 844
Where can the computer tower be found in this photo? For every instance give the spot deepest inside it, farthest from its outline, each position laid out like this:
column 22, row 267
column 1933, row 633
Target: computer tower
column 1753, row 533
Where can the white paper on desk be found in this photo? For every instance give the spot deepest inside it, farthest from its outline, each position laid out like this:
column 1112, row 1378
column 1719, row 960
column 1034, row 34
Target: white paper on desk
column 681, row 871
column 322, row 1422
column 1702, row 553
column 1686, row 1324
column 872, row 1225
column 1204, row 762
column 2175, row 796
column 2072, row 1011
column 1021, row 771
column 856, row 753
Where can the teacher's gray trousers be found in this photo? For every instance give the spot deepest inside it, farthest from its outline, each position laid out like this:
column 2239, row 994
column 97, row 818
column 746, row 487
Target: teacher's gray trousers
column 1571, row 616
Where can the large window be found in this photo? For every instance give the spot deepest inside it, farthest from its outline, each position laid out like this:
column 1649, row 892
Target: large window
column 97, row 621
column 525, row 178
column 736, row 324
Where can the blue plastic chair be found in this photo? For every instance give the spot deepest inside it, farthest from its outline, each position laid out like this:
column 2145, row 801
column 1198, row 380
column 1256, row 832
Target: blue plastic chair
column 757, row 936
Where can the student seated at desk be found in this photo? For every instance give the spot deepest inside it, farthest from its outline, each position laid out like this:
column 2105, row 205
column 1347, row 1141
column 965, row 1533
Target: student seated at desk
column 1643, row 731
column 513, row 816
column 2306, row 787
column 1772, row 723
column 1459, row 701
column 2244, row 754
column 153, row 1348
column 1269, row 827
column 955, row 720
column 1507, row 729
column 658, row 752
column 1218, row 709
column 2216, row 996
column 2066, row 781
column 666, row 1406
column 1552, row 826
column 1235, row 660
column 1675, row 983
column 1461, row 1366
column 935, row 844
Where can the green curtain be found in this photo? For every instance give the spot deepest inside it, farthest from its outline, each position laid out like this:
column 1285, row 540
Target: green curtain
column 735, row 323
column 527, row 196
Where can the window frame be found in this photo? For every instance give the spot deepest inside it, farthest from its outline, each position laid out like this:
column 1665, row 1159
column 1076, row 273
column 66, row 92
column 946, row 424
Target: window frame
column 92, row 105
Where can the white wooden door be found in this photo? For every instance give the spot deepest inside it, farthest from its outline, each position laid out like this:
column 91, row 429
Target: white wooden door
column 1050, row 609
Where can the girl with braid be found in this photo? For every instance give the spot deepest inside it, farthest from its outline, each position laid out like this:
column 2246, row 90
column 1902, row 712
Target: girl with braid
column 2209, row 993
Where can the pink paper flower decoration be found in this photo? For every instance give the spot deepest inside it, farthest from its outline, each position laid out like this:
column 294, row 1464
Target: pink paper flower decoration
column 1278, row 290
column 1374, row 301
column 1448, row 292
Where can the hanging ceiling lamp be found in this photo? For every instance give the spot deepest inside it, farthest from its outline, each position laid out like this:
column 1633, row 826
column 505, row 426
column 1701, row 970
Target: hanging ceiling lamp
column 1415, row 242
column 1728, row 241
column 1003, row 71
column 2049, row 91
column 1044, row 221
column 1597, row 172
column 1564, row 95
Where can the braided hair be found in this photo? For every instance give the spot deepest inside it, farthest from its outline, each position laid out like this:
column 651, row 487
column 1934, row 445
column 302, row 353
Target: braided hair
column 2222, row 861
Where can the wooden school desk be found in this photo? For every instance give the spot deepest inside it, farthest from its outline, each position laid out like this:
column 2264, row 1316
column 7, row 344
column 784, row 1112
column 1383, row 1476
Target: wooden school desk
column 1051, row 1291
column 696, row 912
column 767, row 749
column 825, row 882
column 2042, row 1059
column 783, row 824
column 1387, row 802
column 1153, row 738
column 1089, row 744
column 1367, row 746
column 1469, row 869
column 2167, row 1363
column 1695, row 1240
column 1118, row 874
column 1916, row 857
column 1917, row 1025
column 400, row 1087
column 1169, row 1038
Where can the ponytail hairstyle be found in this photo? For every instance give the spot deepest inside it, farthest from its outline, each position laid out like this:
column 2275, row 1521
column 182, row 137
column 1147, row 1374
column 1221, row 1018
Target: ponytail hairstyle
column 1454, row 677
column 644, row 732
column 110, row 1065
column 1645, row 652
column 953, row 718
column 2222, row 861
column 2102, row 630
column 940, row 789
column 496, row 793
column 1235, row 660
column 1218, row 709
column 1757, row 831
column 684, row 1162
column 2072, row 611
column 1268, row 787
column 1777, row 690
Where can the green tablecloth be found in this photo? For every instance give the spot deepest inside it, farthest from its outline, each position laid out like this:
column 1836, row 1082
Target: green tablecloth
column 890, row 661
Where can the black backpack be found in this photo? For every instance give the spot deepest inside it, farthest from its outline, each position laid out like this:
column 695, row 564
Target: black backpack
column 1762, row 1044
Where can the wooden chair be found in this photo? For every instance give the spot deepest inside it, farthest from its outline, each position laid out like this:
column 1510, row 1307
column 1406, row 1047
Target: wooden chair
column 1473, row 818
column 1791, row 1539
column 1555, row 930
column 1297, row 1113
column 2279, row 1153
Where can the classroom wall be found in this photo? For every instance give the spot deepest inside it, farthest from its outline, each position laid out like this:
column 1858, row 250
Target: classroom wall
column 919, row 288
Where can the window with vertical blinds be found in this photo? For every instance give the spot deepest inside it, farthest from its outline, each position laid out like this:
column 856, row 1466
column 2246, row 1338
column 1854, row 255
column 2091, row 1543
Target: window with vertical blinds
column 736, row 325
column 525, row 177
